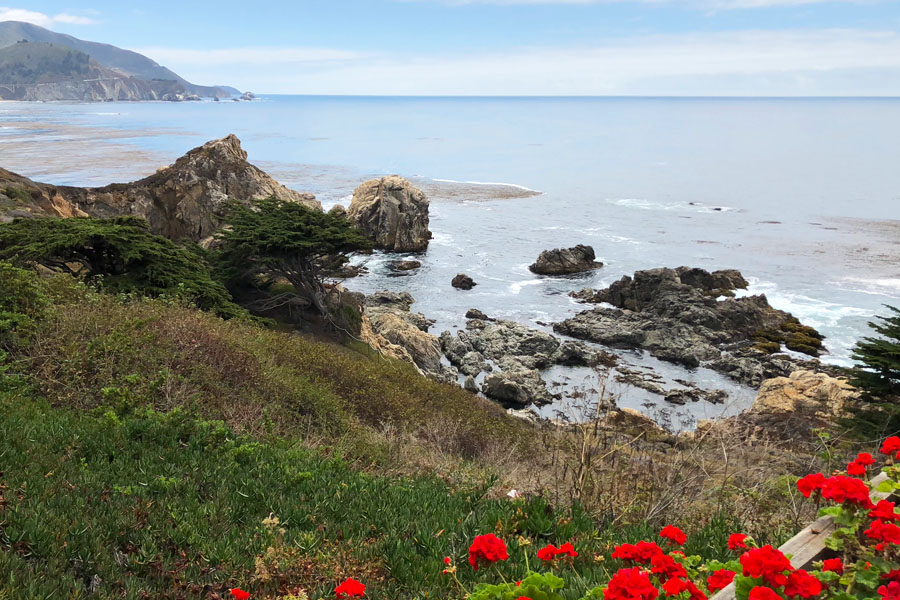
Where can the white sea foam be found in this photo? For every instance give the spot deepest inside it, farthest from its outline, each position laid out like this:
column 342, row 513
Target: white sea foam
column 811, row 311
column 644, row 204
column 515, row 288
column 491, row 183
column 885, row 286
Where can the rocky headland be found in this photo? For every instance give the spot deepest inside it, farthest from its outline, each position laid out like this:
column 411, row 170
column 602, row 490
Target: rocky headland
column 185, row 200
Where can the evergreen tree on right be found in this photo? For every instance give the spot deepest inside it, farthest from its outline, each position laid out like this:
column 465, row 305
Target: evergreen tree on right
column 879, row 357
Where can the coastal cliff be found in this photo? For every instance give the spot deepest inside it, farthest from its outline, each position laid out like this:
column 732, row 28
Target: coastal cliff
column 183, row 200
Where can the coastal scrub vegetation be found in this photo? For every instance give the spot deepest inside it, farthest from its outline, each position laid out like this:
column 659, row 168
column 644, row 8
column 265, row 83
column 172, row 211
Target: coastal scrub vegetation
column 119, row 255
column 879, row 374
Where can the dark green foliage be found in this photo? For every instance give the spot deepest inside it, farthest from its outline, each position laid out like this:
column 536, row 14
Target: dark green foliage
column 121, row 255
column 289, row 240
column 879, row 357
column 43, row 63
column 22, row 299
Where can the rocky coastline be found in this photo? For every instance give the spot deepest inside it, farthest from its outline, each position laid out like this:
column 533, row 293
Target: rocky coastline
column 686, row 316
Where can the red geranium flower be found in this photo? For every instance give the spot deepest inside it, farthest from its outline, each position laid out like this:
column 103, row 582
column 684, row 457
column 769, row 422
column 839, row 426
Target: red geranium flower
column 865, row 459
column 891, row 445
column 523, row 598
column 885, row 511
column 642, row 552
column 674, row 586
column 447, row 560
column 487, row 548
column 855, row 469
column 890, row 591
column 720, row 580
column 763, row 593
column 673, row 534
column 800, row 583
column 809, row 484
column 736, row 541
column 350, row 588
column 766, row 563
column 696, row 593
column 630, row 584
column 547, row 553
column 834, row 565
column 239, row 594
column 667, row 567
column 843, row 489
column 567, row 549
column 892, row 576
column 884, row 532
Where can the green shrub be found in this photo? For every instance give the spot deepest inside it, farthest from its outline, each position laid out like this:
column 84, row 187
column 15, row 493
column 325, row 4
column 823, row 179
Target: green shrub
column 120, row 255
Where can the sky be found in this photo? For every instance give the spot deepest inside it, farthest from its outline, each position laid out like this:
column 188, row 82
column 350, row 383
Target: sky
column 504, row 47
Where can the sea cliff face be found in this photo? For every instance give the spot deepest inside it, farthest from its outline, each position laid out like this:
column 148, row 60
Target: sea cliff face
column 185, row 200
column 99, row 90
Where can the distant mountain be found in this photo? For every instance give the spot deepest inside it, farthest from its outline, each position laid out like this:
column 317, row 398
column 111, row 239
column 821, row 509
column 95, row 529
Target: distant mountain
column 126, row 62
column 42, row 71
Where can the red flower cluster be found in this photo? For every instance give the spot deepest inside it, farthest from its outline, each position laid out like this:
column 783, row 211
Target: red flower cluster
column 720, row 580
column 763, row 593
column 834, row 565
column 890, row 591
column 673, row 534
column 351, row 588
column 550, row 552
column 802, row 584
column 737, row 541
column 892, row 576
column 891, row 446
column 239, row 594
column 858, row 466
column 811, row 483
column 768, row 564
column 642, row 552
column 676, row 586
column 487, row 549
column 884, row 532
column 630, row 584
column 842, row 489
column 885, row 511
column 667, row 567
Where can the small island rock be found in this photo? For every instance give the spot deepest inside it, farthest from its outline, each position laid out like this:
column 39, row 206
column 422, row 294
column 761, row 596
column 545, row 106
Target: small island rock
column 565, row 261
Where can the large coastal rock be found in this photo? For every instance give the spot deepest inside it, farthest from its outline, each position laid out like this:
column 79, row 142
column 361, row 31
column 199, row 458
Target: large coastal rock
column 184, row 200
column 403, row 334
column 685, row 316
column 393, row 213
column 518, row 388
column 805, row 392
column 565, row 261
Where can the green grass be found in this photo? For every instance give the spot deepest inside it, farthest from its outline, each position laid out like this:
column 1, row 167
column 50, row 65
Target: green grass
column 168, row 506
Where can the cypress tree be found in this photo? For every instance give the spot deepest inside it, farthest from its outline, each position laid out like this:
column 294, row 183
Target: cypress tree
column 879, row 357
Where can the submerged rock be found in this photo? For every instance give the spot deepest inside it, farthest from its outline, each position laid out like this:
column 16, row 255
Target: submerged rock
column 406, row 265
column 185, row 200
column 565, row 261
column 393, row 213
column 463, row 282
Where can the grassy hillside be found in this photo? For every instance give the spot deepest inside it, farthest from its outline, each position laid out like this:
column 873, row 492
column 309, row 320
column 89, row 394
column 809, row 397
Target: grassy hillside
column 44, row 63
column 147, row 449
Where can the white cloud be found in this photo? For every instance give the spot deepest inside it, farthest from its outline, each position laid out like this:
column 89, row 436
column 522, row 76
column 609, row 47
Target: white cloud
column 38, row 18
column 253, row 55
column 760, row 63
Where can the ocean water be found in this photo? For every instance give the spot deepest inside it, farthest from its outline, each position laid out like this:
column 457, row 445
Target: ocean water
column 801, row 195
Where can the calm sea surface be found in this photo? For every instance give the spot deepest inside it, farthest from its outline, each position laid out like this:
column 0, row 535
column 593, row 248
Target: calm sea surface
column 803, row 196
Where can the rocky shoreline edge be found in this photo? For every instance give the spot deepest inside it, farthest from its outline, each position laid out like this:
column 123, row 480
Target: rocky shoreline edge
column 685, row 316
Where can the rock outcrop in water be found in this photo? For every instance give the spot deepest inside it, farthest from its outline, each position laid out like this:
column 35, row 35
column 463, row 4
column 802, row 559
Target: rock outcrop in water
column 393, row 213
column 184, row 200
column 678, row 315
column 565, row 261
column 463, row 282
